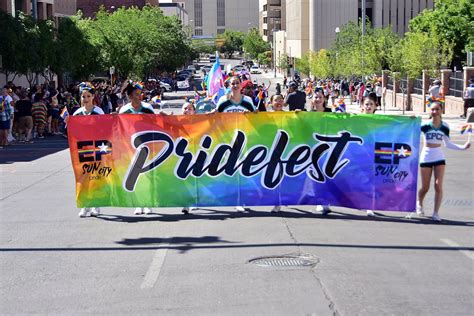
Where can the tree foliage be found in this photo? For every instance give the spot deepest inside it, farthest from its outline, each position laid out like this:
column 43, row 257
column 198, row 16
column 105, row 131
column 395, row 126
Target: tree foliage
column 135, row 41
column 451, row 25
column 321, row 64
column 234, row 41
column 254, row 44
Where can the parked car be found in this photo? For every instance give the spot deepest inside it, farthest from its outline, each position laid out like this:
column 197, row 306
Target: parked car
column 206, row 69
column 167, row 87
column 238, row 68
column 183, row 82
column 255, row 70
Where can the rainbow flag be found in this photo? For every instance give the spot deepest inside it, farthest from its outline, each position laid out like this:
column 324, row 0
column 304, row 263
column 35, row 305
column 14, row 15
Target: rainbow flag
column 466, row 129
column 64, row 113
column 340, row 106
column 225, row 159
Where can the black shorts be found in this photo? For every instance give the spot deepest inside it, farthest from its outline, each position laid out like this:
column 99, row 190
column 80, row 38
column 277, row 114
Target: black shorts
column 432, row 164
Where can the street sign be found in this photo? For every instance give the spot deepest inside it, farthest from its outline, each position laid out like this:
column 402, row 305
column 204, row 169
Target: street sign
column 112, row 70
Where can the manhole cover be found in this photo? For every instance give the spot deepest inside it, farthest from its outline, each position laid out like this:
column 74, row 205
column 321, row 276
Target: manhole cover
column 286, row 261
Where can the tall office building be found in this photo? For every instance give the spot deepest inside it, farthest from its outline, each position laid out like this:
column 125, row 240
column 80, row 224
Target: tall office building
column 272, row 18
column 213, row 17
column 312, row 24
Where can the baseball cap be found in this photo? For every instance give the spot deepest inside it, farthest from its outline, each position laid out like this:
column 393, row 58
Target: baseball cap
column 247, row 84
column 293, row 84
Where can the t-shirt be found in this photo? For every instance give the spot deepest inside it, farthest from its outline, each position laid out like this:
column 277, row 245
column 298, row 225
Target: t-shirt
column 145, row 108
column 5, row 109
column 82, row 111
column 23, row 107
column 225, row 104
column 296, row 100
column 434, row 91
column 435, row 135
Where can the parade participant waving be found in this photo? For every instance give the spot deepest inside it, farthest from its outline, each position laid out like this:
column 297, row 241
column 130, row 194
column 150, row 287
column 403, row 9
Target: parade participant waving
column 87, row 92
column 432, row 160
column 136, row 106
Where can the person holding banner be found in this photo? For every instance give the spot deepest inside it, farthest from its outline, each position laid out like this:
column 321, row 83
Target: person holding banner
column 432, row 159
column 136, row 106
column 87, row 91
column 235, row 101
column 369, row 106
column 318, row 101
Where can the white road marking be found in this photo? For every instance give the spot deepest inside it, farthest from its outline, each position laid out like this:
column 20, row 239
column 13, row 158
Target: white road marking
column 451, row 243
column 155, row 267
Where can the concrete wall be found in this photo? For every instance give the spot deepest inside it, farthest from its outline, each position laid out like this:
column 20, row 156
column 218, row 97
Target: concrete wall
column 239, row 15
column 416, row 102
column 297, row 27
column 324, row 17
column 65, row 7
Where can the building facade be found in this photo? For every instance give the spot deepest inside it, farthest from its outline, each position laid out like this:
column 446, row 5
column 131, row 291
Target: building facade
column 297, row 27
column 213, row 17
column 175, row 9
column 272, row 18
column 42, row 9
column 90, row 7
column 313, row 24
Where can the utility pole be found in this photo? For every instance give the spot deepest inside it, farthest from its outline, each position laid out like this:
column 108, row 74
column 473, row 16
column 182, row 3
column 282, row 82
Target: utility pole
column 363, row 34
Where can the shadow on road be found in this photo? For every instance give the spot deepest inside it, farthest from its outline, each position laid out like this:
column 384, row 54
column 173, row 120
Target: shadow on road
column 214, row 214
column 177, row 243
column 23, row 152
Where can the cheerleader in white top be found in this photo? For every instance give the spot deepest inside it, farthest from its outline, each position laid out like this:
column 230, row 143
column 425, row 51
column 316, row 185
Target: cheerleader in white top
column 134, row 91
column 87, row 91
column 432, row 160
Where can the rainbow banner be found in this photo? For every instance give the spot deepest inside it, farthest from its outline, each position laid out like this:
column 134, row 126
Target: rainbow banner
column 228, row 159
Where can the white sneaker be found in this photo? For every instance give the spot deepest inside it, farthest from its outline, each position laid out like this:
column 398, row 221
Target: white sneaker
column 419, row 209
column 409, row 215
column 436, row 217
column 95, row 211
column 240, row 209
column 370, row 213
column 276, row 209
column 323, row 209
column 83, row 212
column 138, row 211
column 147, row 210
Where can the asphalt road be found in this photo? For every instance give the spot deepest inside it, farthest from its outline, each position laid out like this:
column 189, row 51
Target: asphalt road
column 53, row 262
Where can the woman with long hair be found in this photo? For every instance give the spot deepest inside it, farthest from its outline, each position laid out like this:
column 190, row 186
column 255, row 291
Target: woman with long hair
column 87, row 91
column 432, row 160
